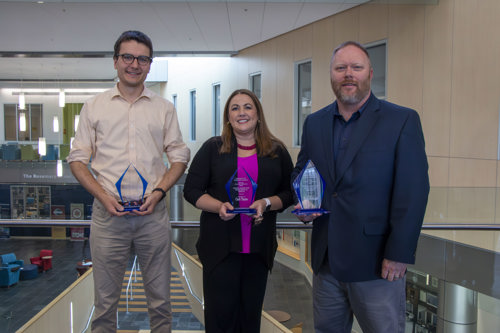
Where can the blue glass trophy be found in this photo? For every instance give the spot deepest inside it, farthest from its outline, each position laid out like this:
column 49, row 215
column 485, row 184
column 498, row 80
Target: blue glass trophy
column 238, row 188
column 309, row 187
column 131, row 187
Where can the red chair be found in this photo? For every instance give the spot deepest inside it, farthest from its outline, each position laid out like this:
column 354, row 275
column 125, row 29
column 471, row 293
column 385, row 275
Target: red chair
column 44, row 261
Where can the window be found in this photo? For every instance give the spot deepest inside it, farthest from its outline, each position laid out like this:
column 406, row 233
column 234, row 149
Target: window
column 216, row 109
column 192, row 99
column 255, row 84
column 33, row 120
column 302, row 101
column 174, row 100
column 378, row 57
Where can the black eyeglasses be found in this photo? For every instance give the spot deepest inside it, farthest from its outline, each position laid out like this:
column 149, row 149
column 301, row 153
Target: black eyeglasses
column 141, row 60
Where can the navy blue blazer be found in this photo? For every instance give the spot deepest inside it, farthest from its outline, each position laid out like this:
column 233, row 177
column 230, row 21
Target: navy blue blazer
column 377, row 195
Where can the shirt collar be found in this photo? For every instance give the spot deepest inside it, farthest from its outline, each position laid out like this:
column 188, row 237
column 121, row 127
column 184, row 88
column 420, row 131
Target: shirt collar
column 115, row 92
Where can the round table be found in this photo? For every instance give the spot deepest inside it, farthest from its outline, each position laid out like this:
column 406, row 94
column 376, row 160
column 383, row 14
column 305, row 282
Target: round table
column 280, row 316
column 82, row 267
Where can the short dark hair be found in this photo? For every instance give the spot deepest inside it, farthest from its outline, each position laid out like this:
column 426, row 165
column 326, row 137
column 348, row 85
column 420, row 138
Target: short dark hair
column 351, row 43
column 138, row 36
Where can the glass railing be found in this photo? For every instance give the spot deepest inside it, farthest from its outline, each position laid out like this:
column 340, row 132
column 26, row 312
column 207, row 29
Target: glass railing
column 454, row 285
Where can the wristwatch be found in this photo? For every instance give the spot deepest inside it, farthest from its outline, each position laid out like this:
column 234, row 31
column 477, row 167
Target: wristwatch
column 268, row 204
column 163, row 192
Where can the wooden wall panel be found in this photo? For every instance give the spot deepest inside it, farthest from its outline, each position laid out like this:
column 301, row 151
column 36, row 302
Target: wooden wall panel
column 438, row 170
column 472, row 172
column 346, row 26
column 405, row 56
column 373, row 20
column 497, row 205
column 322, row 94
column 254, row 59
column 436, row 78
column 302, row 43
column 269, row 89
column 474, row 205
column 498, row 173
column 437, row 206
column 475, row 81
column 442, row 61
column 285, row 77
column 242, row 68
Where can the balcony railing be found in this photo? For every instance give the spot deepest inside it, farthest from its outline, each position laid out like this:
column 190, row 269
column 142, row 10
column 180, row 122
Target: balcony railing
column 457, row 255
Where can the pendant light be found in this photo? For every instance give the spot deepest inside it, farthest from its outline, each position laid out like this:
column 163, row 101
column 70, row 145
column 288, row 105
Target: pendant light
column 22, row 101
column 42, row 146
column 62, row 99
column 77, row 120
column 55, row 124
column 59, row 168
column 22, row 122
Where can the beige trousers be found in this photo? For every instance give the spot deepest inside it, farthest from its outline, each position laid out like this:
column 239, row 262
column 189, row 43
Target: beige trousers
column 111, row 241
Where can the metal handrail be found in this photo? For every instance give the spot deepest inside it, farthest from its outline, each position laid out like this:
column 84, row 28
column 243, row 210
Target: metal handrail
column 196, row 224
column 181, row 264
column 89, row 319
column 134, row 273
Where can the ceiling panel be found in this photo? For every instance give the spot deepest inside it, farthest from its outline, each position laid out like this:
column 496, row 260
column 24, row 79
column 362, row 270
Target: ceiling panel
column 245, row 21
column 213, row 19
column 53, row 40
column 280, row 18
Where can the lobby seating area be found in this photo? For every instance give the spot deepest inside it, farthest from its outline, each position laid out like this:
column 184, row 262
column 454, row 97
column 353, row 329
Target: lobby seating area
column 43, row 261
column 9, row 269
column 14, row 151
column 287, row 290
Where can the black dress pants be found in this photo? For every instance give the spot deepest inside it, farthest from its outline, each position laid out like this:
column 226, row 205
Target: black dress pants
column 234, row 293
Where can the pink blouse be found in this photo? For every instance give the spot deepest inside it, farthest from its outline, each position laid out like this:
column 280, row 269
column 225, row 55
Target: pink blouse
column 249, row 164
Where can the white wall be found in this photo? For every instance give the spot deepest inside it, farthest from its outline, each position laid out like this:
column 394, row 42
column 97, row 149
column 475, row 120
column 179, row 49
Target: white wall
column 200, row 74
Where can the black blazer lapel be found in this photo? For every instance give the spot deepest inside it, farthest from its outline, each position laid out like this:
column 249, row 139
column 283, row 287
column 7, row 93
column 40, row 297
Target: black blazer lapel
column 365, row 123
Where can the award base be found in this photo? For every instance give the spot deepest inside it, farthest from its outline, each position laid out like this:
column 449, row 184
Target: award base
column 130, row 206
column 310, row 211
column 242, row 211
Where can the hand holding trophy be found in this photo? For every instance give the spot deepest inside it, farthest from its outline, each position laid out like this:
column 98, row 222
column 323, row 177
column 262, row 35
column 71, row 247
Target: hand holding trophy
column 131, row 187
column 309, row 188
column 241, row 192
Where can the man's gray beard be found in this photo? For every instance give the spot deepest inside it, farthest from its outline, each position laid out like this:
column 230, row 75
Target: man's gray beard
column 349, row 99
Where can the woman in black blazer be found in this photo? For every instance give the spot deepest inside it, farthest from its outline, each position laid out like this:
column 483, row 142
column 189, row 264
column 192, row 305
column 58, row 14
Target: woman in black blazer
column 237, row 250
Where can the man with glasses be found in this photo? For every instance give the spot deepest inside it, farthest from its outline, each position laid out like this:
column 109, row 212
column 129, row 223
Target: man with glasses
column 125, row 131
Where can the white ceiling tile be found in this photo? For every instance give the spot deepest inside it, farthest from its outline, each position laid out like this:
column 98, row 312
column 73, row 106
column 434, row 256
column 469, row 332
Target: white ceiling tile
column 192, row 27
column 213, row 19
column 279, row 19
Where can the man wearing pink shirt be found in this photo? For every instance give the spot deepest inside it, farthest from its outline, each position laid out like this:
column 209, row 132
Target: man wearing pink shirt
column 129, row 126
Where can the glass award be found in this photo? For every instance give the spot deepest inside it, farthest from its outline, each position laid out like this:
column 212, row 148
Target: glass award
column 309, row 187
column 131, row 187
column 241, row 192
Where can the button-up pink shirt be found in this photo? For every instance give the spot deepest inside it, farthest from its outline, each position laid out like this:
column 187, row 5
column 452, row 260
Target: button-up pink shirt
column 116, row 133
